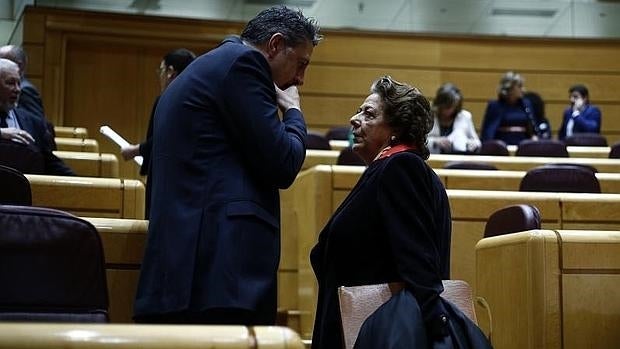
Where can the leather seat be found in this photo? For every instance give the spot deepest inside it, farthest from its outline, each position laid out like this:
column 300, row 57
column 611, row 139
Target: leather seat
column 22, row 157
column 512, row 219
column 494, row 147
column 52, row 267
column 15, row 187
column 469, row 165
column 560, row 178
column 317, row 141
column 586, row 139
column 614, row 152
column 543, row 147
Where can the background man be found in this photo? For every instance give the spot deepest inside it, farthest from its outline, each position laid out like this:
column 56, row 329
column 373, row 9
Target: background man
column 173, row 63
column 30, row 99
column 17, row 124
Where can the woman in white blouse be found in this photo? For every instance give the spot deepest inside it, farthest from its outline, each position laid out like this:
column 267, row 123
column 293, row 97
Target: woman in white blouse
column 453, row 130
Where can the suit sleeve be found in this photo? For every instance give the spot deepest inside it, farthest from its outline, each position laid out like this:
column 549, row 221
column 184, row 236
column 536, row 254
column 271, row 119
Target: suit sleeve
column 31, row 101
column 405, row 201
column 273, row 149
column 589, row 121
column 146, row 147
column 490, row 122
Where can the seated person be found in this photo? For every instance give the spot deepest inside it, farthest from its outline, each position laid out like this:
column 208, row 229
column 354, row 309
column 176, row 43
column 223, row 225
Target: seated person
column 394, row 226
column 17, row 124
column 453, row 130
column 581, row 116
column 510, row 118
column 29, row 99
column 538, row 109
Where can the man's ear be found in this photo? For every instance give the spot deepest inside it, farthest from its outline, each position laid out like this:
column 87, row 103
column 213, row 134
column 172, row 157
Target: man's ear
column 275, row 44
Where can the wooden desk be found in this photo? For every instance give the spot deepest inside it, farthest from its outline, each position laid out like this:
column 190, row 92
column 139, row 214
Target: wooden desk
column 552, row 289
column 91, row 336
column 509, row 163
column 507, row 180
column 524, row 163
column 71, row 132
column 87, row 196
column 123, row 247
column 90, row 164
column 573, row 151
column 77, row 144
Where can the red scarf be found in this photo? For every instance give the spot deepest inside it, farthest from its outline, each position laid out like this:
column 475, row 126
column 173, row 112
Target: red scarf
column 389, row 150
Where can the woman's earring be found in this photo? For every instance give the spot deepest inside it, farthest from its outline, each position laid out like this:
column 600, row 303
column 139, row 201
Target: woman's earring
column 393, row 139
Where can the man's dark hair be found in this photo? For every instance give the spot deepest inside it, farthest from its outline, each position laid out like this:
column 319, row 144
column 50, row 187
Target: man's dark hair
column 179, row 59
column 295, row 27
column 581, row 89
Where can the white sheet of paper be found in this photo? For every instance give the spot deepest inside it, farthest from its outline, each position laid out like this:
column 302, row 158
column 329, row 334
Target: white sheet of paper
column 119, row 140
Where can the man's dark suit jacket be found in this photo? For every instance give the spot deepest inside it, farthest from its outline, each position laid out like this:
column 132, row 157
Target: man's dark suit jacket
column 30, row 99
column 37, row 129
column 220, row 153
column 588, row 121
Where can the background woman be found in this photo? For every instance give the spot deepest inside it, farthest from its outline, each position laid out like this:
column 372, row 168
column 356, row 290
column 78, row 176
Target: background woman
column 394, row 226
column 453, row 130
column 510, row 118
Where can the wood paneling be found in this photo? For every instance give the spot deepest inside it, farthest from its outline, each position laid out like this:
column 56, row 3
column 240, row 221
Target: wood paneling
column 97, row 68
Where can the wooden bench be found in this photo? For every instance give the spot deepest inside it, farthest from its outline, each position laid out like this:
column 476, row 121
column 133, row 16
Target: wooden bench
column 508, row 180
column 512, row 163
column 573, row 151
column 89, row 336
column 90, row 164
column 317, row 192
column 123, row 247
column 85, row 196
column 77, row 144
column 71, row 132
column 552, row 289
column 524, row 163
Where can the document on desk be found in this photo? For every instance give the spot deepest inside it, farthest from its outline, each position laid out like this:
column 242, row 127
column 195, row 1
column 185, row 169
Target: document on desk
column 118, row 139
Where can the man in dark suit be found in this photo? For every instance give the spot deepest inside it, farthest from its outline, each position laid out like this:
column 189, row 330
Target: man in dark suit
column 19, row 125
column 29, row 99
column 220, row 154
column 173, row 63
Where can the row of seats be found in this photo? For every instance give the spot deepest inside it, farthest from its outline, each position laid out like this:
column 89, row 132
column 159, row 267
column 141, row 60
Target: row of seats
column 87, row 164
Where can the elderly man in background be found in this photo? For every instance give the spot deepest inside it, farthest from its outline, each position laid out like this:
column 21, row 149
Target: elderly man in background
column 19, row 125
column 30, row 98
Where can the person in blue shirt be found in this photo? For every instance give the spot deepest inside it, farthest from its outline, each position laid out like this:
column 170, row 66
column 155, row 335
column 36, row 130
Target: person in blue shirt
column 581, row 116
column 510, row 118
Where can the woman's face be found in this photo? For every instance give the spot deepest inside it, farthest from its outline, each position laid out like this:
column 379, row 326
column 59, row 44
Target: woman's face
column 371, row 132
column 514, row 94
column 446, row 114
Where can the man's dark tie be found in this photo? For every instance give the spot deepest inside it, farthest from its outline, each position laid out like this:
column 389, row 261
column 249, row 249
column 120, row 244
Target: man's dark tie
column 3, row 116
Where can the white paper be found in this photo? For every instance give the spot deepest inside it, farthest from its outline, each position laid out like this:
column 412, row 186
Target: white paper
column 120, row 141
